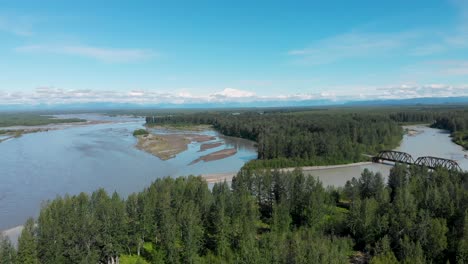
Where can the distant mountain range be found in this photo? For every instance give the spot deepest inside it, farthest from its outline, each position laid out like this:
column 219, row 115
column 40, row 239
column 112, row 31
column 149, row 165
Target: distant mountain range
column 261, row 104
column 413, row 101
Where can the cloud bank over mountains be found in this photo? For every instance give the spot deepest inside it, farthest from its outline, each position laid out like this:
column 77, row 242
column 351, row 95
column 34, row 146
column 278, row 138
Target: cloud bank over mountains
column 60, row 96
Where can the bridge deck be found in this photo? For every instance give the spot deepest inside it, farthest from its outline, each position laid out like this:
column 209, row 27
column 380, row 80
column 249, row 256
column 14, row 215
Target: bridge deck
column 427, row 161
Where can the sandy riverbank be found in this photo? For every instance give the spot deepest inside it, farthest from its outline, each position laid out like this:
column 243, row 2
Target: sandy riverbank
column 221, row 177
column 182, row 127
column 221, row 154
column 167, row 146
column 206, row 146
column 13, row 234
column 18, row 131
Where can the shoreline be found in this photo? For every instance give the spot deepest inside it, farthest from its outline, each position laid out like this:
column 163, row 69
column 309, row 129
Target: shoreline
column 12, row 234
column 227, row 176
column 18, row 131
column 168, row 146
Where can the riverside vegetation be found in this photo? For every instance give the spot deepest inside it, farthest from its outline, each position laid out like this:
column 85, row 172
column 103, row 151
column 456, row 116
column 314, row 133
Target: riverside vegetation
column 419, row 216
column 265, row 216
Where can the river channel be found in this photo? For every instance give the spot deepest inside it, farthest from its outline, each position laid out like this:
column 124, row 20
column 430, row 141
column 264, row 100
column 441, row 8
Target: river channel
column 82, row 158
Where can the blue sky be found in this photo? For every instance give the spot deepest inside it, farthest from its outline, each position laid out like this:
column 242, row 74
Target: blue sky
column 210, row 51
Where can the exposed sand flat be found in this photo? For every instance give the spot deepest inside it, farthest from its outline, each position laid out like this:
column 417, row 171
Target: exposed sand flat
column 200, row 138
column 221, row 154
column 206, row 146
column 219, row 177
column 413, row 132
column 167, row 146
column 13, row 234
column 178, row 128
column 163, row 146
column 327, row 167
column 56, row 126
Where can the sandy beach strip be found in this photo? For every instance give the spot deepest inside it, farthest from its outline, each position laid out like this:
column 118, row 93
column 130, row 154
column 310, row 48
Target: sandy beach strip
column 221, row 154
column 13, row 234
column 206, row 146
column 221, row 177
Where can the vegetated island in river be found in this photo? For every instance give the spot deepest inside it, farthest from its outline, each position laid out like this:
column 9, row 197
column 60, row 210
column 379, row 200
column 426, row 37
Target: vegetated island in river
column 167, row 146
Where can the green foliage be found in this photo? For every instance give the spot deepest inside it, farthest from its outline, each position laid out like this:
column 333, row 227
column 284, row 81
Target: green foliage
column 420, row 222
column 30, row 119
column 384, row 253
column 27, row 245
column 462, row 249
column 7, row 251
column 461, row 138
column 265, row 216
column 305, row 138
column 132, row 259
column 140, row 132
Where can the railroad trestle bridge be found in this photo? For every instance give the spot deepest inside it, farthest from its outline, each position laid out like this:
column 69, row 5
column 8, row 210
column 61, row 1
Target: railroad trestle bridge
column 426, row 161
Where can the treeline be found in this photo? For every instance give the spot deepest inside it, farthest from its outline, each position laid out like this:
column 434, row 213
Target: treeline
column 457, row 123
column 419, row 216
column 32, row 119
column 182, row 221
column 300, row 138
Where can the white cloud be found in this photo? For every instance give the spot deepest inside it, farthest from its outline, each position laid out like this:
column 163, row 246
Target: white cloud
column 421, row 91
column 17, row 25
column 101, row 54
column 51, row 95
column 415, row 42
column 234, row 93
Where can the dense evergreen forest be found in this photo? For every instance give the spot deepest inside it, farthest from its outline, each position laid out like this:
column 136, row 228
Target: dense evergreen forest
column 266, row 216
column 419, row 216
column 287, row 139
column 299, row 137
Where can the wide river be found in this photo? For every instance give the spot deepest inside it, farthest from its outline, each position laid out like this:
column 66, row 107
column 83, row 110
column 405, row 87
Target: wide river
column 427, row 142
column 82, row 158
column 39, row 166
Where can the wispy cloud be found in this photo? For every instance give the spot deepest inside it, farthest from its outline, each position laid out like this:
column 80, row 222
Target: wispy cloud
column 421, row 91
column 360, row 44
column 17, row 25
column 97, row 53
column 51, row 95
column 350, row 45
column 451, row 67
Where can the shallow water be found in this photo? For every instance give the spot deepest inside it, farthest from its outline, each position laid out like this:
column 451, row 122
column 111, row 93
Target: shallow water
column 39, row 166
column 430, row 142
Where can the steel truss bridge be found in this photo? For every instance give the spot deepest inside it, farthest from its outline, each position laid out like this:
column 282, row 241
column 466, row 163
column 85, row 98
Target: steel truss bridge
column 405, row 158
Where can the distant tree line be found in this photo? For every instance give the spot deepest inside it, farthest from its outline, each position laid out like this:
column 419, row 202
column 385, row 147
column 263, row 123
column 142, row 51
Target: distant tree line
column 419, row 216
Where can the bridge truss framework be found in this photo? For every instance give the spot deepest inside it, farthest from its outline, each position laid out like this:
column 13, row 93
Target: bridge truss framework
column 427, row 161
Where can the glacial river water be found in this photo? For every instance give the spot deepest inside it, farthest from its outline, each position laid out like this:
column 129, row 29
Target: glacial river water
column 428, row 142
column 39, row 166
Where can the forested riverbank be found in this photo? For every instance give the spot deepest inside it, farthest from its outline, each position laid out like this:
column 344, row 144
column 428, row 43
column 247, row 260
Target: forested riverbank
column 267, row 216
column 419, row 216
column 304, row 138
column 311, row 137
